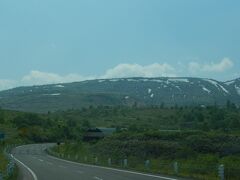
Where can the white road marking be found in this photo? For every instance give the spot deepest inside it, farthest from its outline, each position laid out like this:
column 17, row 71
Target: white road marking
column 62, row 167
column 113, row 169
column 32, row 173
column 97, row 178
column 49, row 163
column 40, row 160
column 80, row 172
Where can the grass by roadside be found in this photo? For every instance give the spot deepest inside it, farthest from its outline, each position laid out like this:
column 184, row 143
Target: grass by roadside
column 189, row 168
column 8, row 169
column 3, row 160
column 91, row 160
column 14, row 176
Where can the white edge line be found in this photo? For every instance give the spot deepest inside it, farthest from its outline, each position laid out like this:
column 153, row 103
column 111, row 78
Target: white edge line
column 119, row 170
column 32, row 173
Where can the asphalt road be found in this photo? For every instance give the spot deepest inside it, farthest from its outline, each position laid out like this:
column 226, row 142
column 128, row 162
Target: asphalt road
column 35, row 164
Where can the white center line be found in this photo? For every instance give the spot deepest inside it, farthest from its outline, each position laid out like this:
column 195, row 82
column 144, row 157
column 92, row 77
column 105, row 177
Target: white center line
column 97, row 178
column 80, row 172
column 49, row 163
column 62, row 167
column 40, row 160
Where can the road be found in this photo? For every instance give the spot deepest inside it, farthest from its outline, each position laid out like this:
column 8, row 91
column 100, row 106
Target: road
column 35, row 164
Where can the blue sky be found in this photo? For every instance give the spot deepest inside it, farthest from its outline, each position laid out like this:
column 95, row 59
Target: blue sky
column 48, row 41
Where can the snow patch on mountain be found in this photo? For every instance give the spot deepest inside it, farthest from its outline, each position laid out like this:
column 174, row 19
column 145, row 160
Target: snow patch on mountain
column 205, row 89
column 152, row 95
column 145, row 80
column 54, row 94
column 101, row 80
column 132, row 80
column 179, row 80
column 217, row 85
column 178, row 88
column 229, row 82
column 149, row 91
column 237, row 89
column 59, row 86
column 157, row 80
column 226, row 91
column 114, row 80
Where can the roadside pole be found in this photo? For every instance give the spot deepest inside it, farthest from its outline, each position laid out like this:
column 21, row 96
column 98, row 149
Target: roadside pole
column 221, row 172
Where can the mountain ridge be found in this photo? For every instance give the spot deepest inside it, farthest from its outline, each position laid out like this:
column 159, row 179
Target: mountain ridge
column 181, row 91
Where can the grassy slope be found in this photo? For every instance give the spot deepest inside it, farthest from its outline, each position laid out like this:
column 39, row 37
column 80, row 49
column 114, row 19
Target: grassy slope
column 199, row 167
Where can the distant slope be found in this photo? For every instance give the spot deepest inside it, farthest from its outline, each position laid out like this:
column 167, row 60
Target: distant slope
column 124, row 91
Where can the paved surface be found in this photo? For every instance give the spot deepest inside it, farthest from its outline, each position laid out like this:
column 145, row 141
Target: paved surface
column 35, row 164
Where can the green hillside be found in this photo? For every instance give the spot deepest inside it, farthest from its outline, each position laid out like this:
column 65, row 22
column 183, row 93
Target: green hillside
column 142, row 92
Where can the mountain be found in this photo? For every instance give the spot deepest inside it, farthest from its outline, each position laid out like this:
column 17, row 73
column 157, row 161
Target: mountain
column 122, row 91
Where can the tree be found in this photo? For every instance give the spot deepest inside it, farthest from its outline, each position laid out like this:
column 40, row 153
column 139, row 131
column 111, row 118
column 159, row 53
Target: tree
column 86, row 124
column 2, row 117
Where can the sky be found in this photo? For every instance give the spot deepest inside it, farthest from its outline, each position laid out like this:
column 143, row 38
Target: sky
column 53, row 41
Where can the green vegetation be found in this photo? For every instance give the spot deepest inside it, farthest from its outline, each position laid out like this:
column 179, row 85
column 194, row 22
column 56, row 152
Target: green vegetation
column 157, row 118
column 4, row 163
column 199, row 139
column 11, row 138
column 3, row 160
column 198, row 153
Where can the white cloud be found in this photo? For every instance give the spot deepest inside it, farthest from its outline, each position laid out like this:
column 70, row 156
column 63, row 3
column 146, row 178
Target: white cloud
column 122, row 70
column 38, row 78
column 7, row 84
column 223, row 65
column 136, row 70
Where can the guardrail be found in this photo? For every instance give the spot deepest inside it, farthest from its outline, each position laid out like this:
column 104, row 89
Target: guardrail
column 215, row 172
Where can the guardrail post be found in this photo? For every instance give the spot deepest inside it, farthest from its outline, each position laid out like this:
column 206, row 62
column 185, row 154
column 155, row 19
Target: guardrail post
column 109, row 161
column 125, row 163
column 96, row 160
column 85, row 158
column 147, row 164
column 221, row 172
column 8, row 170
column 76, row 157
column 175, row 166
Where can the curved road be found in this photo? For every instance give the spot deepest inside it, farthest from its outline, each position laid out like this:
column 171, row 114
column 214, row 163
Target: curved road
column 35, row 164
